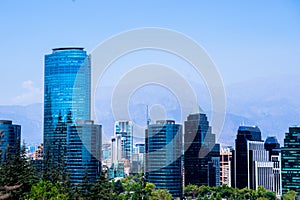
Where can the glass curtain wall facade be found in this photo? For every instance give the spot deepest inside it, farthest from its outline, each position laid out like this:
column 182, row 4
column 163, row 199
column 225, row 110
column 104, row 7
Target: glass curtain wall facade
column 201, row 153
column 163, row 146
column 66, row 97
column 84, row 152
column 273, row 147
column 10, row 136
column 252, row 167
column 241, row 154
column 290, row 165
column 125, row 130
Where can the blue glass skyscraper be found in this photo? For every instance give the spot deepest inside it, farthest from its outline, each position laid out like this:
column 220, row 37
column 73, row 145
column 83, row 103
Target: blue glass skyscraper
column 83, row 152
column 10, row 136
column 66, row 97
column 163, row 145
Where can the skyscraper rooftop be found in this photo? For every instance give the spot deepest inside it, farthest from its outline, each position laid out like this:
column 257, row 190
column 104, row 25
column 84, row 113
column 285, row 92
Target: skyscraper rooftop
column 250, row 132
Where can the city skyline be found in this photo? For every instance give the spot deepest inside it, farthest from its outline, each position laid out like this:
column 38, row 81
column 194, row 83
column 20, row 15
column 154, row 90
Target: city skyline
column 146, row 99
column 254, row 47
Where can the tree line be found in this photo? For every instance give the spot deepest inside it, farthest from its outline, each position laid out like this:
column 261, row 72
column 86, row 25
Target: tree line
column 226, row 192
column 20, row 180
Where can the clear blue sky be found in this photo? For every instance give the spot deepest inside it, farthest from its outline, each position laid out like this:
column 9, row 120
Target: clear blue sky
column 246, row 39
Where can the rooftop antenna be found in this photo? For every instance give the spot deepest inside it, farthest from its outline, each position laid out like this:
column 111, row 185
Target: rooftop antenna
column 148, row 119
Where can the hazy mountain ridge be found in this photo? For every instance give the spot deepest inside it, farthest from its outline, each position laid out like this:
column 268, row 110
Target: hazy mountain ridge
column 270, row 104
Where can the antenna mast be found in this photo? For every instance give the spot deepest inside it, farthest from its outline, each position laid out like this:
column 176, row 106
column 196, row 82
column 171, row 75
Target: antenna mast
column 148, row 119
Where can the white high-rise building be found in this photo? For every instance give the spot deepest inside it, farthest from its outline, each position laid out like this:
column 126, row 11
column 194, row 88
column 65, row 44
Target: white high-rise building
column 122, row 142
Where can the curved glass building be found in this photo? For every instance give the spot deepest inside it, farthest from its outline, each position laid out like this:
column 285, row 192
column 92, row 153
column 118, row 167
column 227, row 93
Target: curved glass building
column 66, row 96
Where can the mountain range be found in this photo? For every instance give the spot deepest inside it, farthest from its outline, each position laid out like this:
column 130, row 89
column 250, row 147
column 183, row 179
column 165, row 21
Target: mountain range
column 271, row 104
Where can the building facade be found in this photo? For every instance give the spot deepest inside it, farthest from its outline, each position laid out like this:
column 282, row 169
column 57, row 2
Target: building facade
column 122, row 145
column 273, row 147
column 138, row 158
column 106, row 156
column 10, row 136
column 116, row 148
column 38, row 153
column 124, row 130
column 67, row 84
column 163, row 160
column 290, row 156
column 225, row 166
column 252, row 167
column 201, row 153
column 83, row 158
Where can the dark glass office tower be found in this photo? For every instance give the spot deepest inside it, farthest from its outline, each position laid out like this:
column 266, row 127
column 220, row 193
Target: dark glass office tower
column 66, row 97
column 10, row 136
column 290, row 157
column 251, row 164
column 273, row 147
column 201, row 153
column 163, row 146
column 241, row 161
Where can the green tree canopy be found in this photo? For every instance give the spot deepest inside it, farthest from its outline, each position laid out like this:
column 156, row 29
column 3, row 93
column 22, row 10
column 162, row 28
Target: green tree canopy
column 160, row 194
column 16, row 172
column 46, row 190
column 191, row 191
column 290, row 195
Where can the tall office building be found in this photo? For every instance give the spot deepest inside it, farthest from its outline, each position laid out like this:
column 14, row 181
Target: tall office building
column 290, row 165
column 10, row 136
column 251, row 164
column 71, row 140
column 225, row 166
column 116, row 150
column 124, row 129
column 201, row 153
column 66, row 97
column 163, row 148
column 273, row 147
column 83, row 152
column 122, row 145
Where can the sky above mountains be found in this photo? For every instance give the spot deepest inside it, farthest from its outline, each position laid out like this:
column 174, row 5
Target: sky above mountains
column 245, row 39
column 255, row 46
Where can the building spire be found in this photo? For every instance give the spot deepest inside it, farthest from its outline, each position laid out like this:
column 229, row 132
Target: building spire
column 148, row 118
